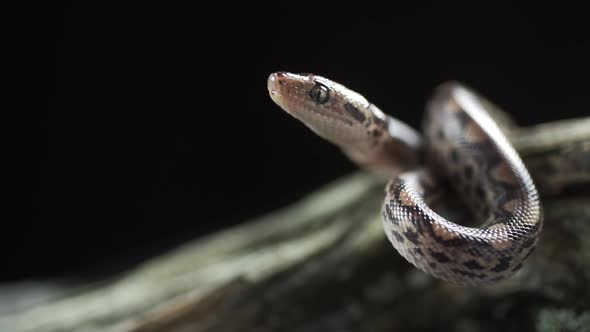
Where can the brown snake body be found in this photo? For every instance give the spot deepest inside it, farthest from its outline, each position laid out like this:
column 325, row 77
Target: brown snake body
column 461, row 146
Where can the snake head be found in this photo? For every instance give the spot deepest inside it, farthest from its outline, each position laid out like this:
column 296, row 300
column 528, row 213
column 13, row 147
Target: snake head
column 331, row 110
column 365, row 134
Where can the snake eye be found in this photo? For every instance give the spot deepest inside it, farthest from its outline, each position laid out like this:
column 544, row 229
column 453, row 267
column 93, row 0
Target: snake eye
column 320, row 93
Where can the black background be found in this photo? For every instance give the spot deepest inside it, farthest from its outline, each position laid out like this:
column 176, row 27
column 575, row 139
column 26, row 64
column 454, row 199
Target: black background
column 148, row 124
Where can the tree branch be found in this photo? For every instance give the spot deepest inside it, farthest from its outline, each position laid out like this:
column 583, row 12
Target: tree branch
column 324, row 264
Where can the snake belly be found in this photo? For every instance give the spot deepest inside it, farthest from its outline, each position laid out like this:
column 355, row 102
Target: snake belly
column 462, row 147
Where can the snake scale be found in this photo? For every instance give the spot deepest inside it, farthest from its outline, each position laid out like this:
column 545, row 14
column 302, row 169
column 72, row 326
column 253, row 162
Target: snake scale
column 461, row 148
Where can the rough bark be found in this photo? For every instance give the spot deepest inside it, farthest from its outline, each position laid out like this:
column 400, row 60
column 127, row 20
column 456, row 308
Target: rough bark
column 324, row 264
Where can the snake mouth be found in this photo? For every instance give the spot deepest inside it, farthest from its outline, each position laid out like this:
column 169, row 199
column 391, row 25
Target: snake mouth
column 273, row 85
column 274, row 95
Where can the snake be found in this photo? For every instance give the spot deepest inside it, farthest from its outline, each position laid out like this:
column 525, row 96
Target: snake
column 460, row 165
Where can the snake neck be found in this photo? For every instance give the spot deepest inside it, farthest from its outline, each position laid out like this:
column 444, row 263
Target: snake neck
column 390, row 146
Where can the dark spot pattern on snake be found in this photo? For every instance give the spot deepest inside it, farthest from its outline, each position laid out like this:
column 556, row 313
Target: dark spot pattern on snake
column 412, row 237
column 389, row 213
column 398, row 236
column 418, row 251
column 473, row 265
column 475, row 252
column 354, row 112
column 440, row 257
column 503, row 265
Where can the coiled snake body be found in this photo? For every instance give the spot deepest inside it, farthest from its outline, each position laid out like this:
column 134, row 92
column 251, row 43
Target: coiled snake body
column 461, row 146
